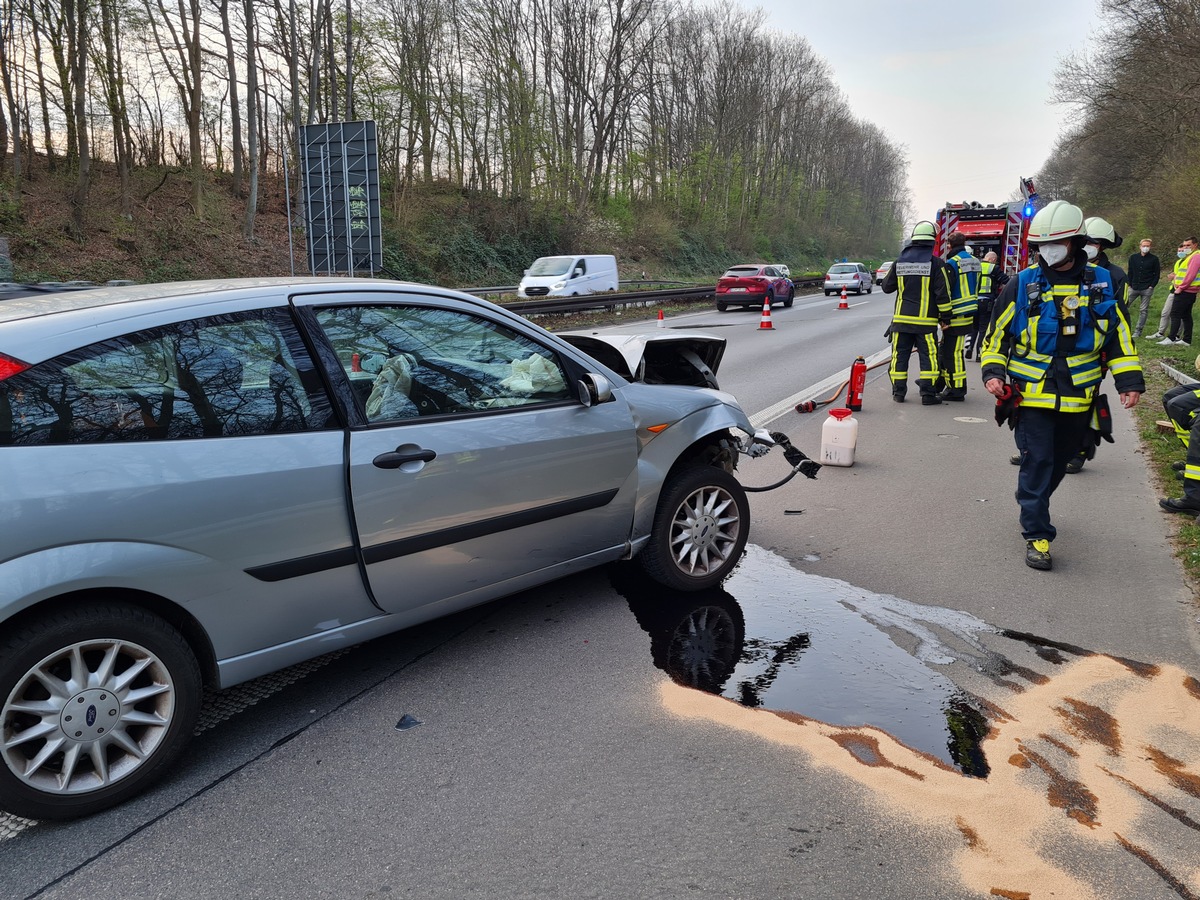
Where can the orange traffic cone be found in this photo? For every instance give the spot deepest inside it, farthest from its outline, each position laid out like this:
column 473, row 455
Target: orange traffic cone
column 842, row 304
column 661, row 323
column 765, row 323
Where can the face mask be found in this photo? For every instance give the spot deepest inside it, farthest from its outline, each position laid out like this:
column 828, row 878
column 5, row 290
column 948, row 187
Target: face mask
column 1181, row 253
column 1092, row 251
column 1053, row 254
column 1145, row 250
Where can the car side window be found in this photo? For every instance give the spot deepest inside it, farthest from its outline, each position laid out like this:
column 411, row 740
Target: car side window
column 223, row 376
column 408, row 362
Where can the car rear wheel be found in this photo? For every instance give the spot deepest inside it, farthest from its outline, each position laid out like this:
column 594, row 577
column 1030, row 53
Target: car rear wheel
column 700, row 529
column 721, row 307
column 98, row 701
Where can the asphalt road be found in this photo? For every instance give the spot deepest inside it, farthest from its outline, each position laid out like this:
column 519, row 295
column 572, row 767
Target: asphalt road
column 882, row 609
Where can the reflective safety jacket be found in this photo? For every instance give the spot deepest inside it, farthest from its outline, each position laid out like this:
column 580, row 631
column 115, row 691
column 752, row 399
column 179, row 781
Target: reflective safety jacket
column 1056, row 333
column 1120, row 282
column 1181, row 268
column 987, row 275
column 920, row 281
column 964, row 274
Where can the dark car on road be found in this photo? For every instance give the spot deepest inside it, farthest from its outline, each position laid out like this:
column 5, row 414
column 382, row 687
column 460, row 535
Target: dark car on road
column 753, row 285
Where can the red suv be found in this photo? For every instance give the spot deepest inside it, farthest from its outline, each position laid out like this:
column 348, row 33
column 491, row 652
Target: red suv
column 751, row 285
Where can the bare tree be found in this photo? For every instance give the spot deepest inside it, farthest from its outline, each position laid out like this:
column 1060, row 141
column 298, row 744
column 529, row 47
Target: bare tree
column 251, row 119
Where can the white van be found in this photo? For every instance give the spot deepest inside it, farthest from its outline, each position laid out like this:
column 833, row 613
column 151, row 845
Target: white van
column 566, row 276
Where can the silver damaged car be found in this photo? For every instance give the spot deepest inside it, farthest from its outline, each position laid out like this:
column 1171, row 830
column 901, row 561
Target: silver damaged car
column 204, row 482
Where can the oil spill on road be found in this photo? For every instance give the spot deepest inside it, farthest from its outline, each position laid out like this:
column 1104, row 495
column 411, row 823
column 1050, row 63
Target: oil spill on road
column 1080, row 749
column 776, row 638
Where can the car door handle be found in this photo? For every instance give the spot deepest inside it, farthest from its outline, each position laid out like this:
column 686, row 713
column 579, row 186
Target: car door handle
column 394, row 459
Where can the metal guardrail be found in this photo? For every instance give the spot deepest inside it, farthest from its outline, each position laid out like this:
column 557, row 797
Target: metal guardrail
column 608, row 301
column 11, row 289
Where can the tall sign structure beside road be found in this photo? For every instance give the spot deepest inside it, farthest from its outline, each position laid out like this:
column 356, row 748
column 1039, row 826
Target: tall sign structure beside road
column 340, row 167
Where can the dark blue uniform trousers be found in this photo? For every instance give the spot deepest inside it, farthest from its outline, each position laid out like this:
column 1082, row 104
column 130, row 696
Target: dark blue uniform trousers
column 1047, row 441
column 1182, row 404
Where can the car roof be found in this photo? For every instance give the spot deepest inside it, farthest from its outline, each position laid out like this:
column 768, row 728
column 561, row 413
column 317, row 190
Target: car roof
column 38, row 327
column 161, row 293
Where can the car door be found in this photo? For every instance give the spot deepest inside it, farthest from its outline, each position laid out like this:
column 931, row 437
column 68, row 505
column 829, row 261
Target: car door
column 474, row 469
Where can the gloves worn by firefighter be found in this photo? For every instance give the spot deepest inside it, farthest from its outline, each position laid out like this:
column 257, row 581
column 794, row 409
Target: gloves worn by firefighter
column 1102, row 420
column 1008, row 405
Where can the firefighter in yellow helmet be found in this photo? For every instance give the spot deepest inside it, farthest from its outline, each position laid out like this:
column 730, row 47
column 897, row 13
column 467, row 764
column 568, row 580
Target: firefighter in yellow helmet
column 919, row 280
column 1052, row 323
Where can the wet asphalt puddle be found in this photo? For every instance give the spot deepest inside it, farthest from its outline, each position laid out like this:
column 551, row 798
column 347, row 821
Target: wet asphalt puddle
column 1057, row 740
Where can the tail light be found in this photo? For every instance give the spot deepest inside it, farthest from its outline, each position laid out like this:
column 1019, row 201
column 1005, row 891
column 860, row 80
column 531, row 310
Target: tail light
column 10, row 367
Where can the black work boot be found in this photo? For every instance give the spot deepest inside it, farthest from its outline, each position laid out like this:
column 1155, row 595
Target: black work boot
column 930, row 400
column 1075, row 465
column 1037, row 555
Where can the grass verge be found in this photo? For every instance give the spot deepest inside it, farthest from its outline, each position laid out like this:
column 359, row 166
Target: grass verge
column 1163, row 449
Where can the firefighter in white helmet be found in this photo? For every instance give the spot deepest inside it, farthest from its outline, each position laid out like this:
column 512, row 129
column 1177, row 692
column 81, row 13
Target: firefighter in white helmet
column 920, row 281
column 1101, row 236
column 1051, row 325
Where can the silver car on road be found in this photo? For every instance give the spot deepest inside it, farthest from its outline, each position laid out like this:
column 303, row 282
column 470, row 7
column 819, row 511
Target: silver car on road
column 204, row 482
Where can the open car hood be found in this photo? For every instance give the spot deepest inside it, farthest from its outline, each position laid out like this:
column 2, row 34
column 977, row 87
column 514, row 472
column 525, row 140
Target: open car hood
column 675, row 357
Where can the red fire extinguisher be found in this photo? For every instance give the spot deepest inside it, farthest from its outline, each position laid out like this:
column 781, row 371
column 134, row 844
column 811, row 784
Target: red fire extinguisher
column 858, row 382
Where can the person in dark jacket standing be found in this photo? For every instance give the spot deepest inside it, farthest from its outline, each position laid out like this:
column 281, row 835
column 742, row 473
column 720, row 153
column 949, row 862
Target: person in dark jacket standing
column 1053, row 323
column 1144, row 270
column 920, row 281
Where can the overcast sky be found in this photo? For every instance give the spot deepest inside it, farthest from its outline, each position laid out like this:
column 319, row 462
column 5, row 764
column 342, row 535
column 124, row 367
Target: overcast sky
column 963, row 86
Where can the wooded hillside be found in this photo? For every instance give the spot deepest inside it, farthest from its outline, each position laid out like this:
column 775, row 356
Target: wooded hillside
column 1132, row 151
column 691, row 135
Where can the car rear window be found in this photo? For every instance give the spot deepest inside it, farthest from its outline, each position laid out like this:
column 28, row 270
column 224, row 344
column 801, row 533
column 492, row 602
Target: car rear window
column 843, row 270
column 222, row 376
column 740, row 271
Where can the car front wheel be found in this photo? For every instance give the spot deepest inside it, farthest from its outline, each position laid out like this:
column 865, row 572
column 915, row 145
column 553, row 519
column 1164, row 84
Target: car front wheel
column 98, row 701
column 787, row 304
column 700, row 529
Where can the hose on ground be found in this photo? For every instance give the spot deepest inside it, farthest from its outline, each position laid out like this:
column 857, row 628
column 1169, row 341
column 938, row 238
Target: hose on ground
column 813, row 405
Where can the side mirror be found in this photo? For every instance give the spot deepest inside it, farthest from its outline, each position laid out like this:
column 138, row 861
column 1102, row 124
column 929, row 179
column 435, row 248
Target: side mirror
column 577, row 273
column 593, row 389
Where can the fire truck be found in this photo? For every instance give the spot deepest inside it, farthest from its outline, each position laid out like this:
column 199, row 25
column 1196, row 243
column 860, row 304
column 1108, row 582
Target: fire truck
column 1003, row 228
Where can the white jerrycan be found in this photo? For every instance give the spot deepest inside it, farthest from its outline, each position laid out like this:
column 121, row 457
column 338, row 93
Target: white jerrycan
column 839, row 435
